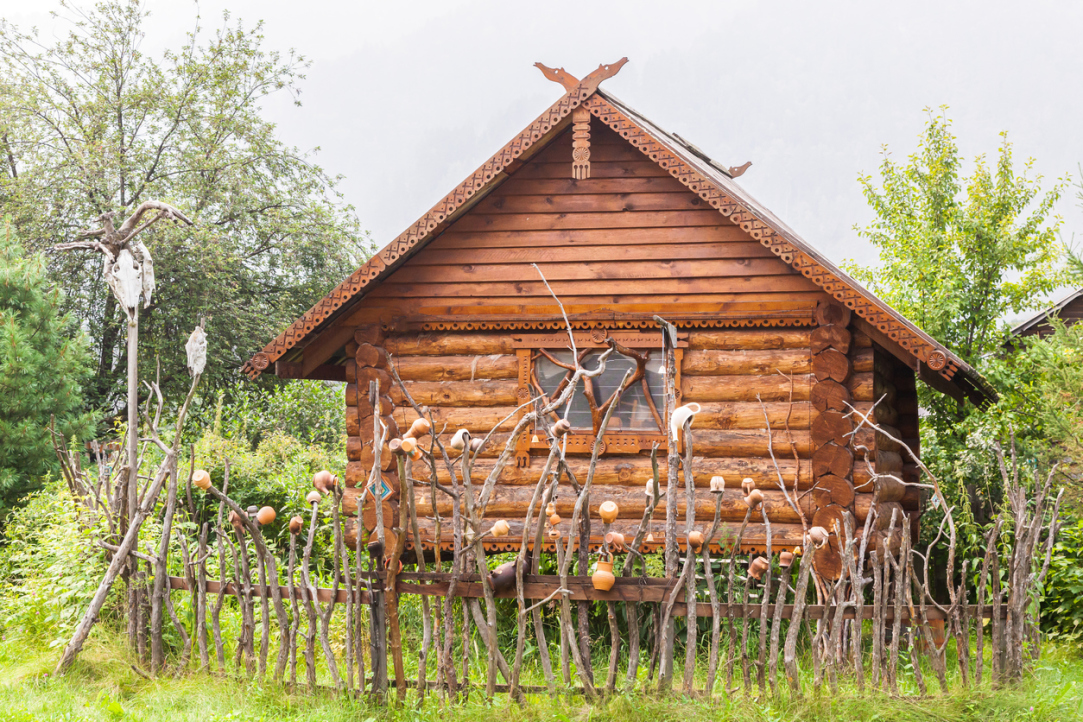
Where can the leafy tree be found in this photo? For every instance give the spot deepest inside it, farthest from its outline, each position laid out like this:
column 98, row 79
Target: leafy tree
column 956, row 255
column 43, row 366
column 90, row 123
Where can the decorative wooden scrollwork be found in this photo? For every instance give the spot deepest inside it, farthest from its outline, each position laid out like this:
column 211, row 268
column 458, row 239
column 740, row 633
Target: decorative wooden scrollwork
column 581, row 144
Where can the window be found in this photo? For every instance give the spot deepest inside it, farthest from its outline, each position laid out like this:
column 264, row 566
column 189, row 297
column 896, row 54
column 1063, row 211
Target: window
column 641, row 405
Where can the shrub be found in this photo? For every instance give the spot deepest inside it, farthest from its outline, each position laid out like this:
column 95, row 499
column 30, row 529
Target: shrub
column 1062, row 597
column 49, row 566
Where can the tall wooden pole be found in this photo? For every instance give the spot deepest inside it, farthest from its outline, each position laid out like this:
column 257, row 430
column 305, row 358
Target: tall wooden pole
column 135, row 605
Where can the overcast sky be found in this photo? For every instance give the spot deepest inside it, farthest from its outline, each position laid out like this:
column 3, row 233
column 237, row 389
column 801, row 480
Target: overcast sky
column 405, row 99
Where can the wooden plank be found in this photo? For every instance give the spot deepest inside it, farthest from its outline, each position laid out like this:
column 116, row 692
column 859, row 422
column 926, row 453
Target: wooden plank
column 581, row 203
column 213, row 587
column 388, row 305
column 579, row 587
column 591, row 269
column 566, row 186
column 678, row 287
column 584, row 253
column 721, row 232
column 574, row 221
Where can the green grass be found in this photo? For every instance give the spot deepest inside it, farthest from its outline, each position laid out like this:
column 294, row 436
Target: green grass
column 103, row 686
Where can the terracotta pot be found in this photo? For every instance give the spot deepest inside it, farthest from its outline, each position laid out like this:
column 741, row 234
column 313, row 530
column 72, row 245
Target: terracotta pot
column 503, row 577
column 649, row 539
column 718, row 484
column 758, row 567
column 458, row 441
column 561, row 428
column 201, row 479
column 551, row 508
column 296, row 524
column 608, row 511
column 603, row 579
column 554, row 533
column 266, row 516
column 408, row 445
column 501, row 528
column 313, row 497
column 387, row 562
column 747, row 485
column 818, row 535
column 695, row 538
column 324, row 481
column 475, row 444
column 754, row 499
column 554, row 519
column 420, row 427
column 785, row 559
column 615, row 541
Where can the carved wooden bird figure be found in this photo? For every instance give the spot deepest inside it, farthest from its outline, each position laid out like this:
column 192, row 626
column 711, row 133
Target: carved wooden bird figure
column 558, row 75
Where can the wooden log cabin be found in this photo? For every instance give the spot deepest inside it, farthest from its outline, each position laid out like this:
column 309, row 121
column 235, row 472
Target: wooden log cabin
column 626, row 222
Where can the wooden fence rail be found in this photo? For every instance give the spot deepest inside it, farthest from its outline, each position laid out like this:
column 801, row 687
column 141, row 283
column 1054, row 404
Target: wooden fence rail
column 581, row 588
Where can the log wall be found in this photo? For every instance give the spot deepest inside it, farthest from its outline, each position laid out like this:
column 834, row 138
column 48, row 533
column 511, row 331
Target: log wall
column 468, row 380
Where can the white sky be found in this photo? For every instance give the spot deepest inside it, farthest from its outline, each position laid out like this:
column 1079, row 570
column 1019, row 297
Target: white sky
column 406, row 99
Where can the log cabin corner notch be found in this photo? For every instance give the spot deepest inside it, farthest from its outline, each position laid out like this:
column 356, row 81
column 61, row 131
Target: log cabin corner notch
column 649, row 226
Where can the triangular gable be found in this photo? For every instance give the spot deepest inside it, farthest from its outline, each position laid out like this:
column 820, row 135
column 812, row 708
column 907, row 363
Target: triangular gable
column 913, row 346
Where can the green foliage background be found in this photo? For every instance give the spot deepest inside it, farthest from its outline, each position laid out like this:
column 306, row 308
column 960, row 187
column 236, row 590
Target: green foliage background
column 44, row 367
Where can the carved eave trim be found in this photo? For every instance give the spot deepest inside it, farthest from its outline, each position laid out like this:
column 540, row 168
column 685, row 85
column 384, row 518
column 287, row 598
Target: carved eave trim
column 420, row 232
column 919, row 345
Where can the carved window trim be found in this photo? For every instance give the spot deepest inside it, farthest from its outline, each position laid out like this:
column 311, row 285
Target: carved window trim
column 531, row 347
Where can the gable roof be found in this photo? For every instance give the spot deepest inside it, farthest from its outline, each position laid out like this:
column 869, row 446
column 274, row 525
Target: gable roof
column 934, row 362
column 1033, row 325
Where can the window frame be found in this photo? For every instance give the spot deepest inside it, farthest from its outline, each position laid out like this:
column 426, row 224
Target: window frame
column 581, row 441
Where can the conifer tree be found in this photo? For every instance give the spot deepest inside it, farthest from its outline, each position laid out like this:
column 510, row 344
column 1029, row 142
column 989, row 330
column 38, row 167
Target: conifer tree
column 44, row 364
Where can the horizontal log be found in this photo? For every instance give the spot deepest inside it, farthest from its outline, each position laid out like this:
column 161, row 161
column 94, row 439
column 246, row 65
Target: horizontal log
column 831, row 426
column 830, row 396
column 361, row 425
column 754, row 538
column 476, row 420
column 750, row 415
column 450, row 344
column 863, row 359
column 831, row 489
column 733, row 339
column 832, row 459
column 825, row 337
column 458, row 394
column 370, row 355
column 745, row 388
column 630, row 471
column 507, row 502
column 734, row 442
column 861, row 386
column 831, row 364
column 717, row 362
column 387, row 404
column 457, row 368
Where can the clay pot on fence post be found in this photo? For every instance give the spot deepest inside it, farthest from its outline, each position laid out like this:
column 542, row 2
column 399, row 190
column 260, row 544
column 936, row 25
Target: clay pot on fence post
column 603, row 579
